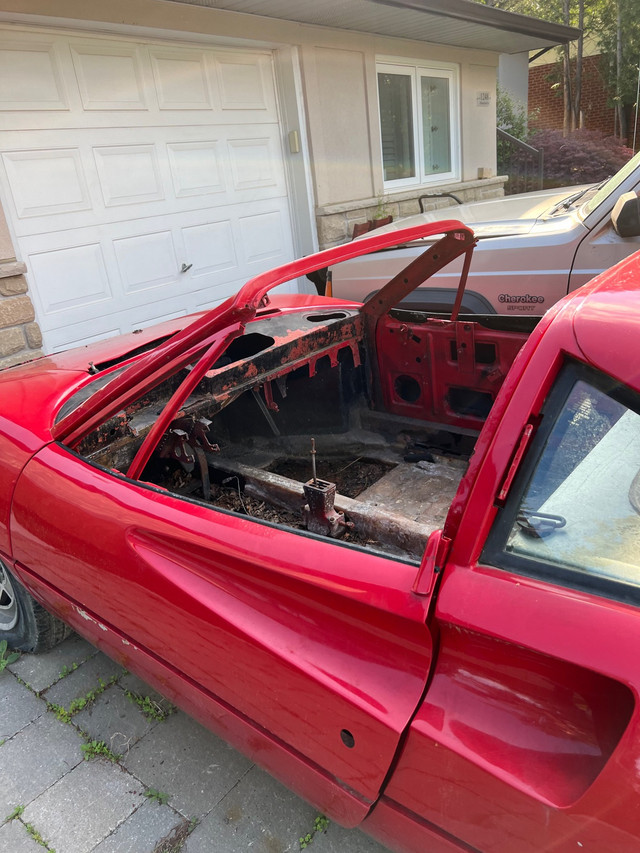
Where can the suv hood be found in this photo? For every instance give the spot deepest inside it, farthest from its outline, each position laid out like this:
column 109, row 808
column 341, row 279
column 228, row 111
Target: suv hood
column 496, row 217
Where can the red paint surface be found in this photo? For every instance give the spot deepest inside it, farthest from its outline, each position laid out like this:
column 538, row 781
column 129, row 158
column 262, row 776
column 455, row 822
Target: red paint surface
column 497, row 714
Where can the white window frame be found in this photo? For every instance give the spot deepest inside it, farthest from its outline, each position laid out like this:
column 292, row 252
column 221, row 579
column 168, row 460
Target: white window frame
column 416, row 70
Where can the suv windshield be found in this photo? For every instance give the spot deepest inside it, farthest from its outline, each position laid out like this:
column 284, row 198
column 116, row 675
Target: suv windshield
column 611, row 185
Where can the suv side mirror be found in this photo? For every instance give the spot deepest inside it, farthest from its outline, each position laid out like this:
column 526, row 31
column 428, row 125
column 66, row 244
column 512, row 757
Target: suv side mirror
column 625, row 215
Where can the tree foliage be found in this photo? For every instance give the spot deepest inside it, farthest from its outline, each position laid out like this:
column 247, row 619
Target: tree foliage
column 580, row 157
column 614, row 24
column 619, row 39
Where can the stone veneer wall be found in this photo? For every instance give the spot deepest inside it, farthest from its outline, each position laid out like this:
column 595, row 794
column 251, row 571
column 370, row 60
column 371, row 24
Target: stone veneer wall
column 335, row 221
column 20, row 337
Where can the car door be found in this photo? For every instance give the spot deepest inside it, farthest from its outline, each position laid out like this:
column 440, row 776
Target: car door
column 528, row 736
column 319, row 643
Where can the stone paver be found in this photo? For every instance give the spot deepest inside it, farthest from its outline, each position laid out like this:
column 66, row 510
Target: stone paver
column 34, row 759
column 114, row 719
column 87, row 677
column 83, row 808
column 14, row 838
column 97, row 807
column 18, row 706
column 142, row 831
column 339, row 840
column 194, row 767
column 41, row 671
column 133, row 684
column 258, row 814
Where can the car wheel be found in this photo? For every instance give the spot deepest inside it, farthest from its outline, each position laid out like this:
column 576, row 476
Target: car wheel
column 24, row 623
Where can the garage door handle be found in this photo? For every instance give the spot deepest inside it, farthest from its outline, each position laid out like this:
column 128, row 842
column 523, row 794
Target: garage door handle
column 185, row 267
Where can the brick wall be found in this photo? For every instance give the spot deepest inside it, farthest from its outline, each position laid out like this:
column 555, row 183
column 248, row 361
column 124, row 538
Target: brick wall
column 545, row 97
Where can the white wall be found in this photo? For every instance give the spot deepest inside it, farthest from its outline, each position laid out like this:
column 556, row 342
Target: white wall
column 513, row 76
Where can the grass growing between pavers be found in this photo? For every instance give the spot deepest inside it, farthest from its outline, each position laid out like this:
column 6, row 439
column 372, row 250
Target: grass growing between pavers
column 82, row 702
column 64, row 709
column 67, row 670
column 98, row 749
column 31, row 831
column 91, row 748
column 151, row 709
column 156, row 796
column 320, row 825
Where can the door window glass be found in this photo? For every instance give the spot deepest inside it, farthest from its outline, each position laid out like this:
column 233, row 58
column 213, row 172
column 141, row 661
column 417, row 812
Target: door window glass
column 578, row 514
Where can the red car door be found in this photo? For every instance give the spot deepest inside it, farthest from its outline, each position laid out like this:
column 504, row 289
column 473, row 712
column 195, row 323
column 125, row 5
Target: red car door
column 321, row 644
column 528, row 738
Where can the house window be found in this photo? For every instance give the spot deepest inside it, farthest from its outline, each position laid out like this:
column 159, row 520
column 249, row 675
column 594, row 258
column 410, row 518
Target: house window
column 418, row 123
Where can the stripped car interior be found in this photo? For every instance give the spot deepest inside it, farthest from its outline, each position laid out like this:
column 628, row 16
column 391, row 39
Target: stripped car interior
column 352, row 422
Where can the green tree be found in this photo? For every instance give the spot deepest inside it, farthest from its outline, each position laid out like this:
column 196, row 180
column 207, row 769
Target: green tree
column 615, row 24
column 619, row 40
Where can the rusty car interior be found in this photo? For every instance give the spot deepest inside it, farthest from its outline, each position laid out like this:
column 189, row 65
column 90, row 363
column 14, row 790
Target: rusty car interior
column 352, row 423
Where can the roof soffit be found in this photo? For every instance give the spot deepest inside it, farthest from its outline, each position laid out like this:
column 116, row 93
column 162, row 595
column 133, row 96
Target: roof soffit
column 459, row 23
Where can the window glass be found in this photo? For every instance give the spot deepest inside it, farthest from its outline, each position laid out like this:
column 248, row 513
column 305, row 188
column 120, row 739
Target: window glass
column 418, row 134
column 396, row 126
column 580, row 509
column 436, row 124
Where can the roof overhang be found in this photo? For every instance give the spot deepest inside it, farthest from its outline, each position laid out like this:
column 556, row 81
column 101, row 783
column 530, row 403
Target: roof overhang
column 459, row 23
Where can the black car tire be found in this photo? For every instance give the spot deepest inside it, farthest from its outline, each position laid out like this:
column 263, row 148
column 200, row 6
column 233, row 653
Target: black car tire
column 24, row 623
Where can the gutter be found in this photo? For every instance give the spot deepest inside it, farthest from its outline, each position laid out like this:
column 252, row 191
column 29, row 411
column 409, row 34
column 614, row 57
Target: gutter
column 488, row 16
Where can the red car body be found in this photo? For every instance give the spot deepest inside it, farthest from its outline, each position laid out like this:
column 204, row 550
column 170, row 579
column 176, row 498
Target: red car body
column 452, row 701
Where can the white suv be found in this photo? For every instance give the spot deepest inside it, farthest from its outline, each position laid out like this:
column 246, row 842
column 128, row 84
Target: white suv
column 532, row 248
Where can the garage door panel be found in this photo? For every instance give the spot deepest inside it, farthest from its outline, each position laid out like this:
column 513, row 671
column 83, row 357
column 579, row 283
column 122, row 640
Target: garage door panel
column 128, row 174
column 181, row 79
column 88, row 331
column 71, row 278
column 197, row 168
column 46, row 182
column 31, row 76
column 146, row 262
column 244, row 83
column 210, row 248
column 109, row 76
column 252, row 163
column 263, row 237
column 207, row 298
column 159, row 189
column 57, row 188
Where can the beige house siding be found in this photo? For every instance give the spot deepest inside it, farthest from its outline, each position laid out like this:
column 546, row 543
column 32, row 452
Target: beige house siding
column 337, row 72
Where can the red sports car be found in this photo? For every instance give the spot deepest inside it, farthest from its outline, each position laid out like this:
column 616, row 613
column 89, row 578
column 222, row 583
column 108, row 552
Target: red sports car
column 398, row 572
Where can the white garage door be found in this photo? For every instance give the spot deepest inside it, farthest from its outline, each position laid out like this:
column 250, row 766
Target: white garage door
column 127, row 161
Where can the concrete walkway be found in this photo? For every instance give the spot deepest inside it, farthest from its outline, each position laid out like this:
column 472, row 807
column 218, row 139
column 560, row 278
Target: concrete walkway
column 165, row 785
